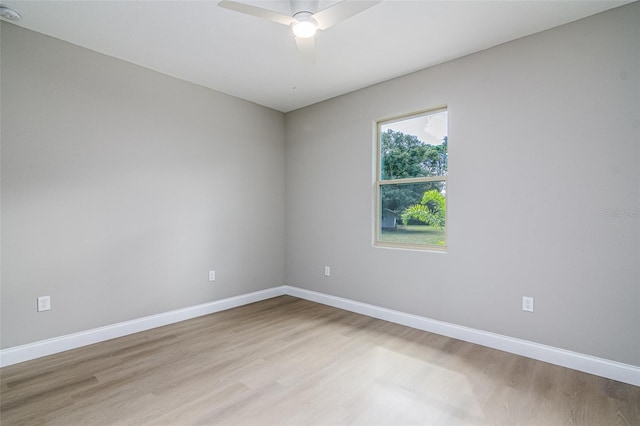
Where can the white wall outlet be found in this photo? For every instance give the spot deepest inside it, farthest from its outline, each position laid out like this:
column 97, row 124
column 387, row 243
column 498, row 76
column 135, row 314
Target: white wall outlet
column 327, row 271
column 44, row 303
column 212, row 275
column 527, row 303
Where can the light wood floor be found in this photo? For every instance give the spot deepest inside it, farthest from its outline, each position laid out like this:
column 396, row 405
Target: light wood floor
column 287, row 361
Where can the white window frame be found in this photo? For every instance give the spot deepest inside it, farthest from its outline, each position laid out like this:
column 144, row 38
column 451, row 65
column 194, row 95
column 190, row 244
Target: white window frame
column 379, row 183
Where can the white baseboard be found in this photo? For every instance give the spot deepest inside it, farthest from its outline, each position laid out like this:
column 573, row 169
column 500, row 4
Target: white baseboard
column 589, row 364
column 55, row 345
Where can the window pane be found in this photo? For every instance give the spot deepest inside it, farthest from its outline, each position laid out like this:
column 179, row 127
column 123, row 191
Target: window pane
column 414, row 147
column 413, row 213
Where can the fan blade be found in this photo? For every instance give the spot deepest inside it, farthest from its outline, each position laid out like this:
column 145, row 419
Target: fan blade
column 307, row 50
column 258, row 12
column 341, row 11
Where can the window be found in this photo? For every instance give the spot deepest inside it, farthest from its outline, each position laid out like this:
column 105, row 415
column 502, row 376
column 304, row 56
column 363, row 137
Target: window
column 411, row 181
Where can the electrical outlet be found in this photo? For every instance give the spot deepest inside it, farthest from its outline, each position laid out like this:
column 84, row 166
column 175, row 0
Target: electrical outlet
column 527, row 304
column 212, row 275
column 44, row 303
column 327, row 271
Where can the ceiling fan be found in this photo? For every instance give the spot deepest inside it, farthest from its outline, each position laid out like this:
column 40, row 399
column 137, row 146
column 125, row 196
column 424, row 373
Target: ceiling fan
column 305, row 19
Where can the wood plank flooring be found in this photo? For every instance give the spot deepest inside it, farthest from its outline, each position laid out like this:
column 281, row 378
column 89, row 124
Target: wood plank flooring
column 287, row 361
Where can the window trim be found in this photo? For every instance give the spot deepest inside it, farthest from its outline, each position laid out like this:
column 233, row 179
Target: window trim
column 378, row 183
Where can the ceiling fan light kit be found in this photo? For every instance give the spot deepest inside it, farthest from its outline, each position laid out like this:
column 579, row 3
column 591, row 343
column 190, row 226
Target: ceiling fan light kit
column 305, row 26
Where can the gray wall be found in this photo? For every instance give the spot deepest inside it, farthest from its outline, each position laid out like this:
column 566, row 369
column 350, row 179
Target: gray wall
column 122, row 187
column 544, row 139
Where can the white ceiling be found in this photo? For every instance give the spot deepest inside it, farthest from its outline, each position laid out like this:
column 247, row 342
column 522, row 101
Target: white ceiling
column 257, row 60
